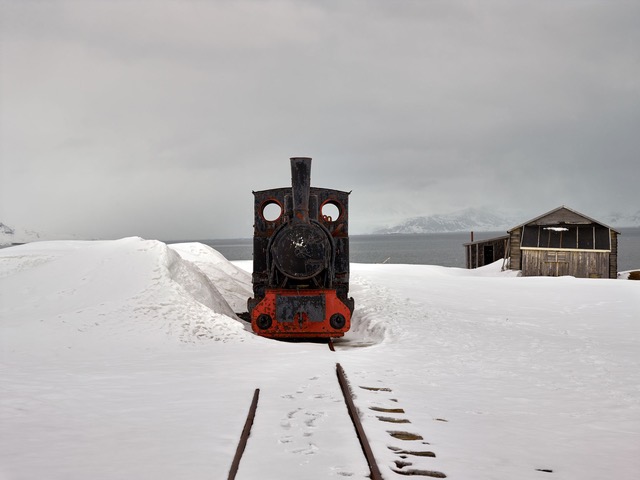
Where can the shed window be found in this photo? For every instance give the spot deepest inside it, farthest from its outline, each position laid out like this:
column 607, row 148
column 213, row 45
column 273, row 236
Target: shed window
column 603, row 238
column 530, row 237
column 555, row 236
column 584, row 237
column 570, row 238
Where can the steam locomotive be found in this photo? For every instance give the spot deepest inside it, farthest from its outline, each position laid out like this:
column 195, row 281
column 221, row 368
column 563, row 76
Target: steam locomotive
column 301, row 260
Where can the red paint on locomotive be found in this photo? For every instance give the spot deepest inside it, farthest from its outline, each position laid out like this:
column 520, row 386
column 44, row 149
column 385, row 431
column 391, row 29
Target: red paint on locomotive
column 300, row 324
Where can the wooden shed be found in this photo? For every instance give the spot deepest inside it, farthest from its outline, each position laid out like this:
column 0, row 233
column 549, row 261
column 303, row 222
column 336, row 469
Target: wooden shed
column 484, row 252
column 564, row 242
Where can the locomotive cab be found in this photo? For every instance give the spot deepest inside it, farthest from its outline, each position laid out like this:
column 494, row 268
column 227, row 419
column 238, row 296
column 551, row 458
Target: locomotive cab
column 300, row 260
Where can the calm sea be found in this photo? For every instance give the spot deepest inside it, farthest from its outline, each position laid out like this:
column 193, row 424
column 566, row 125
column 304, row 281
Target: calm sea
column 445, row 249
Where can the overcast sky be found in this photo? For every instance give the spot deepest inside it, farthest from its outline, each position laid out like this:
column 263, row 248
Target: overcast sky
column 158, row 118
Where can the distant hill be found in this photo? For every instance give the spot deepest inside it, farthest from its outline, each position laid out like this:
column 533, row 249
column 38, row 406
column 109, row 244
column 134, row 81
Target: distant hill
column 477, row 220
column 6, row 235
column 623, row 220
column 16, row 235
column 461, row 221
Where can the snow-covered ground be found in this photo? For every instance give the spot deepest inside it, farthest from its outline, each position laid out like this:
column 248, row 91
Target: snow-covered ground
column 124, row 360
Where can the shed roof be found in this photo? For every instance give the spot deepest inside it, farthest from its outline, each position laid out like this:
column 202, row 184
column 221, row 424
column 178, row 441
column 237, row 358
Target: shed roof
column 572, row 217
column 487, row 240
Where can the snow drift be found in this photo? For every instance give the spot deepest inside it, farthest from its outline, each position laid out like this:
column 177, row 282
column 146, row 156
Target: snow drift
column 125, row 359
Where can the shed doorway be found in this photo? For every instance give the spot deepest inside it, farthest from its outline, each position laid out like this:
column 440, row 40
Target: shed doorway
column 487, row 254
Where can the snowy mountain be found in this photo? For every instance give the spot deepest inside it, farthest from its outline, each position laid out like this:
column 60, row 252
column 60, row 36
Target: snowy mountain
column 485, row 220
column 6, row 229
column 17, row 235
column 6, row 235
column 461, row 221
column 623, row 220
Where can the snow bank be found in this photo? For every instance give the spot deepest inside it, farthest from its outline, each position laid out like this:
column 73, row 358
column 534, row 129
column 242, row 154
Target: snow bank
column 124, row 359
column 234, row 283
column 132, row 287
column 625, row 274
column 509, row 376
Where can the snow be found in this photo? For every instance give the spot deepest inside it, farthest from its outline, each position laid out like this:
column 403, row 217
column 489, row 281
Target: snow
column 124, row 359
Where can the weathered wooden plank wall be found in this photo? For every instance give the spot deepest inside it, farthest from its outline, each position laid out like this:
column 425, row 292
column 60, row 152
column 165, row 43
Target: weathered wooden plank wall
column 561, row 217
column 613, row 257
column 516, row 253
column 556, row 253
column 578, row 263
column 484, row 252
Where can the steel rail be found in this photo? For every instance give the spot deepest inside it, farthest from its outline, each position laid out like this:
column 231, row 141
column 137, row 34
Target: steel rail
column 353, row 413
column 244, row 436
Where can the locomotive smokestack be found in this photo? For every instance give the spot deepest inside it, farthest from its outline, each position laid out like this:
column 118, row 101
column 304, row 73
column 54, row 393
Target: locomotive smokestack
column 300, row 186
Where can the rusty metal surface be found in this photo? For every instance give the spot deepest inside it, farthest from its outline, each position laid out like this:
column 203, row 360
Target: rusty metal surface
column 244, row 436
column 300, row 188
column 301, row 247
column 279, row 304
column 301, row 251
column 353, row 413
column 311, row 307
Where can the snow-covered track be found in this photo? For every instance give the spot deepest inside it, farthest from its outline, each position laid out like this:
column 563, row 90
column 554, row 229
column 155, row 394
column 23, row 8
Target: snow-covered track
column 403, row 465
column 353, row 413
column 403, row 460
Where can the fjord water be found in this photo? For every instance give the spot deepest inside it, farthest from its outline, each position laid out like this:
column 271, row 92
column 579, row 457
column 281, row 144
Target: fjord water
column 444, row 249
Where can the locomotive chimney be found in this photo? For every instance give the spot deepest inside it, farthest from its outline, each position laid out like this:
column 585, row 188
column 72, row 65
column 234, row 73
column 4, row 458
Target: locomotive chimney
column 300, row 186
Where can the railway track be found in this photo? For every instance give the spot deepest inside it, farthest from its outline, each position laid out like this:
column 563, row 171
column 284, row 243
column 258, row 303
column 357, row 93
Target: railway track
column 244, row 436
column 402, row 465
column 355, row 418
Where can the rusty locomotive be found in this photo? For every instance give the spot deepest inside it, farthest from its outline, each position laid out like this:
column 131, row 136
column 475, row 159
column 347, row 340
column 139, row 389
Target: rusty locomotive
column 301, row 260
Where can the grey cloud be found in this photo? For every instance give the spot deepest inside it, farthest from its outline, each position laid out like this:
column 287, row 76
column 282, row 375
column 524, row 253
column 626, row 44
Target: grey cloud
column 113, row 109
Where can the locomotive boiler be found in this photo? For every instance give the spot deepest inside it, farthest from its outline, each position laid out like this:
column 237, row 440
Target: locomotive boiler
column 301, row 260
